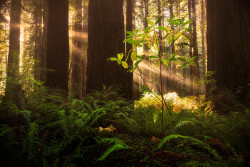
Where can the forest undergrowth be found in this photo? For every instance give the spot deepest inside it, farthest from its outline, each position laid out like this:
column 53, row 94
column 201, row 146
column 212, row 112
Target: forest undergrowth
column 104, row 129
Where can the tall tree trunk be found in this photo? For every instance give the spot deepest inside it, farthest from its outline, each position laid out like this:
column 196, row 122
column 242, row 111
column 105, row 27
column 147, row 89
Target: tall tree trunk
column 77, row 53
column 85, row 45
column 145, row 71
column 129, row 47
column 106, row 36
column 37, row 16
column 188, row 81
column 12, row 88
column 195, row 69
column 57, row 45
column 173, row 71
column 203, row 49
column 163, row 79
column 229, row 44
column 44, row 40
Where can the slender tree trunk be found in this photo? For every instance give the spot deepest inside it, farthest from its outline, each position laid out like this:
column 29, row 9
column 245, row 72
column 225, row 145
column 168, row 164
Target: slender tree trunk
column 58, row 45
column 203, row 49
column 195, row 69
column 44, row 40
column 136, row 80
column 12, row 88
column 129, row 47
column 146, row 72
column 173, row 71
column 85, row 46
column 188, row 81
column 161, row 49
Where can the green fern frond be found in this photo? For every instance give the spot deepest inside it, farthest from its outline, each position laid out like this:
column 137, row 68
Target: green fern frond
column 118, row 145
column 94, row 117
column 194, row 140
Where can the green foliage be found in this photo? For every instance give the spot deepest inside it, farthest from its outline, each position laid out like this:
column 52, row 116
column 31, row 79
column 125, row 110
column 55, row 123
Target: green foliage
column 61, row 131
column 160, row 58
column 193, row 141
column 117, row 145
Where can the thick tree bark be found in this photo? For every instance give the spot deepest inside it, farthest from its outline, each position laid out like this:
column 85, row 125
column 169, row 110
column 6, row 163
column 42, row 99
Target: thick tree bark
column 229, row 44
column 57, row 45
column 12, row 88
column 106, row 36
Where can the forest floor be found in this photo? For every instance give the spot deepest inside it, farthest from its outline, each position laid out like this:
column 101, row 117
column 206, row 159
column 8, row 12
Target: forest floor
column 106, row 130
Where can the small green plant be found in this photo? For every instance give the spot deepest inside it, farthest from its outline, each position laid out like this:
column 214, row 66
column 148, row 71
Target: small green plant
column 160, row 56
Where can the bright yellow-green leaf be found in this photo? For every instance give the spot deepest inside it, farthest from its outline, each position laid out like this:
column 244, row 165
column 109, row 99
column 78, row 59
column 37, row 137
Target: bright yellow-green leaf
column 120, row 56
column 124, row 64
column 113, row 59
column 164, row 61
column 133, row 55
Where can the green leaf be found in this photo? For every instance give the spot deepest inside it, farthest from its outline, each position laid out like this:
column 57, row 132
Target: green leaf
column 164, row 61
column 124, row 64
column 130, row 41
column 160, row 28
column 193, row 141
column 172, row 57
column 181, row 59
column 141, row 57
column 158, row 20
column 192, row 58
column 120, row 56
column 150, row 22
column 113, row 59
column 148, row 28
column 192, row 63
column 133, row 55
column 171, row 19
column 187, row 22
column 137, row 63
column 130, row 33
column 153, row 57
column 170, row 39
column 117, row 145
column 188, row 29
column 119, row 61
column 184, row 65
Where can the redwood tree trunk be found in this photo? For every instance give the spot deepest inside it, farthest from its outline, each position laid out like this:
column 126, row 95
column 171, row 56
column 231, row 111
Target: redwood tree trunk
column 129, row 27
column 106, row 36
column 229, row 44
column 12, row 88
column 77, row 53
column 57, row 45
column 195, row 69
column 173, row 86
